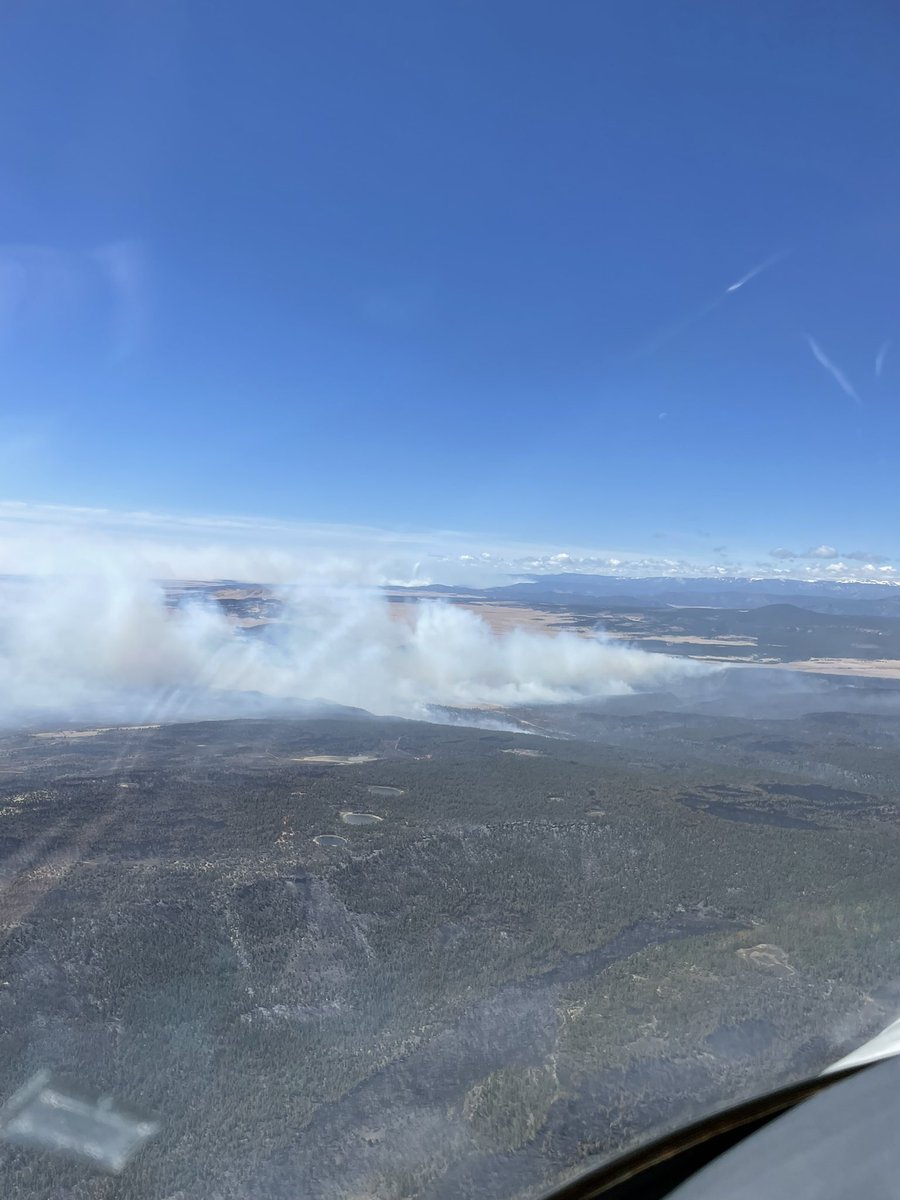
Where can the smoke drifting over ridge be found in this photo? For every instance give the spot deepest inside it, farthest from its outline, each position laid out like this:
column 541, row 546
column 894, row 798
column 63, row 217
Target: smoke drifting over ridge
column 108, row 646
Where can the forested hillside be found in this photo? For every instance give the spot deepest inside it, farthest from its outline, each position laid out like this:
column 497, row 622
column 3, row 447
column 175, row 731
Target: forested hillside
column 509, row 954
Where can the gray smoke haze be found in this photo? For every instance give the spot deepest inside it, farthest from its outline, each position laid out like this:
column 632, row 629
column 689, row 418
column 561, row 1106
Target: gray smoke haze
column 109, row 644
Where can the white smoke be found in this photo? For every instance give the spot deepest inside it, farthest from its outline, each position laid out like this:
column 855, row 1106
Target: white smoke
column 110, row 642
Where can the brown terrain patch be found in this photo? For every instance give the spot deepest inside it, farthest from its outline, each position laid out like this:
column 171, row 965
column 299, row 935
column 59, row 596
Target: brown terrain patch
column 86, row 733
column 501, row 618
column 876, row 668
column 337, row 760
column 677, row 639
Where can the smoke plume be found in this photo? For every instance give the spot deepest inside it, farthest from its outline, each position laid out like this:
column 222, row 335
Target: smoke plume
column 112, row 645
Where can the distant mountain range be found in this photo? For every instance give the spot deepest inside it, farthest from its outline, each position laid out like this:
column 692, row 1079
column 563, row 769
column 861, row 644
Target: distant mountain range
column 864, row 599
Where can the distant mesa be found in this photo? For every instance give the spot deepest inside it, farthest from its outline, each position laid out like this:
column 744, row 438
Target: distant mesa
column 376, row 789
column 358, row 818
column 329, row 839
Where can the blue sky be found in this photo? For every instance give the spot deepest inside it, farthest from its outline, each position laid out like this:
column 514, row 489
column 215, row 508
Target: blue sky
column 432, row 265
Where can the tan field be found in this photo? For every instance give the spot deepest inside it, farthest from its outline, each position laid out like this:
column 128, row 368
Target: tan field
column 86, row 733
column 877, row 668
column 502, row 618
column 690, row 640
column 337, row 760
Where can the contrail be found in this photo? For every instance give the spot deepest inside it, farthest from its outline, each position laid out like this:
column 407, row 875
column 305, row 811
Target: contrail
column 834, row 371
column 677, row 327
column 757, row 270
column 880, row 357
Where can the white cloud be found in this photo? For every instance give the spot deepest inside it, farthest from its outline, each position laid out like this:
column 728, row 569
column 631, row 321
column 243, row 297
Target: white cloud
column 825, row 551
column 53, row 539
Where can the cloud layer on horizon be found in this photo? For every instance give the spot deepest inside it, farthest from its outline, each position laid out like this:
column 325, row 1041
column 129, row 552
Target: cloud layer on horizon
column 39, row 539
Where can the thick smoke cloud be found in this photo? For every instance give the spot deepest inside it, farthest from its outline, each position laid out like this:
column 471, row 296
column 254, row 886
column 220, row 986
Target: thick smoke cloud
column 109, row 644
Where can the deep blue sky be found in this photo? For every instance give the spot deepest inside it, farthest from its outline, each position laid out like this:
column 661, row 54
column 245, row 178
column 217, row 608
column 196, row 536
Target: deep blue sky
column 445, row 264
